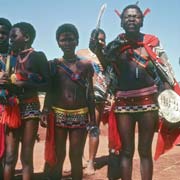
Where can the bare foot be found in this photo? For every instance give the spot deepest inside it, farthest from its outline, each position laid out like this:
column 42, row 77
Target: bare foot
column 84, row 162
column 90, row 168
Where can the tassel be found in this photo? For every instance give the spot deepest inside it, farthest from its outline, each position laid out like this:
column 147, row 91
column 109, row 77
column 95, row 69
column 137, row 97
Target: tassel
column 146, row 12
column 117, row 12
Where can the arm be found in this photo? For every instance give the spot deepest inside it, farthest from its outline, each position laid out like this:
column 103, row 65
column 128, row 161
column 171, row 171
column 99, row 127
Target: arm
column 48, row 101
column 97, row 47
column 90, row 95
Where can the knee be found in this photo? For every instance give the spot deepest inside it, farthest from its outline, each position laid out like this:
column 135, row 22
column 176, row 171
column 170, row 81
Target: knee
column 26, row 160
column 75, row 154
column 127, row 154
column 144, row 152
column 61, row 153
column 10, row 159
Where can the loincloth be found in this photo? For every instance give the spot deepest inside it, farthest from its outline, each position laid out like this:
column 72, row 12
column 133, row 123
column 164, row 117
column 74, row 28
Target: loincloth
column 30, row 108
column 77, row 118
column 134, row 101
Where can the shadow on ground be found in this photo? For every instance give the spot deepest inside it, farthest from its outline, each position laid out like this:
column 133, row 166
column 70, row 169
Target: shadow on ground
column 100, row 162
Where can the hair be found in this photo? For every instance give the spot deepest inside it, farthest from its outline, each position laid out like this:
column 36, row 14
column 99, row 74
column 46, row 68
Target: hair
column 98, row 31
column 26, row 29
column 6, row 22
column 133, row 6
column 67, row 28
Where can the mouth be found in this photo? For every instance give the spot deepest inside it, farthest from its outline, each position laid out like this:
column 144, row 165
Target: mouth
column 131, row 25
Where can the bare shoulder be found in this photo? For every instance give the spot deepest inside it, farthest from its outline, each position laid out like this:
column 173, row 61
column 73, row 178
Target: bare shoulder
column 87, row 66
column 85, row 62
column 39, row 55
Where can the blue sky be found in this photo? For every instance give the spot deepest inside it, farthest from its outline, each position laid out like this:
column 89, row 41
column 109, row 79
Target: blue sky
column 47, row 15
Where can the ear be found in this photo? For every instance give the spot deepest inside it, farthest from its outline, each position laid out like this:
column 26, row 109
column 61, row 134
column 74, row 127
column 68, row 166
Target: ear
column 141, row 25
column 122, row 24
column 27, row 38
column 77, row 42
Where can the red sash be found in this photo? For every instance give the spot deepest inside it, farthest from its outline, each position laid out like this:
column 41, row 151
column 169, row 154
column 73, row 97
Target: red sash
column 2, row 140
column 50, row 153
column 113, row 134
column 11, row 116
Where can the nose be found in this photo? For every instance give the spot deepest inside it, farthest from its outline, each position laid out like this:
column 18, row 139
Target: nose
column 131, row 18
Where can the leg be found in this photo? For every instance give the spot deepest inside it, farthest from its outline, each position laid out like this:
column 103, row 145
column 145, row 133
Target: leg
column 30, row 128
column 1, row 170
column 126, row 128
column 77, row 139
column 146, row 124
column 94, row 141
column 60, row 144
column 11, row 152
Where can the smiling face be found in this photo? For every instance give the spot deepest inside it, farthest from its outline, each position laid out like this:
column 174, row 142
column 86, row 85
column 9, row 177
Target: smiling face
column 18, row 40
column 132, row 20
column 67, row 42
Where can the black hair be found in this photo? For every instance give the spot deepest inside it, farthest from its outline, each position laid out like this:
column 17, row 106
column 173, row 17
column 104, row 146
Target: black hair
column 67, row 28
column 26, row 29
column 97, row 31
column 5, row 22
column 133, row 6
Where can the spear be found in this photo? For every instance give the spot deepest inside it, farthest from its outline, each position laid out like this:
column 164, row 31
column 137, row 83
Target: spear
column 101, row 12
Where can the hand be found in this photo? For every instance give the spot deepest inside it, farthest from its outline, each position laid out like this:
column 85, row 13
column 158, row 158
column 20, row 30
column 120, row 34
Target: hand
column 3, row 77
column 44, row 119
column 96, row 45
column 93, row 130
column 19, row 83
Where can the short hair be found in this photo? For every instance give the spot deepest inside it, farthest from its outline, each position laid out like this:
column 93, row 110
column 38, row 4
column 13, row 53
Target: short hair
column 133, row 6
column 6, row 22
column 67, row 28
column 99, row 31
column 26, row 29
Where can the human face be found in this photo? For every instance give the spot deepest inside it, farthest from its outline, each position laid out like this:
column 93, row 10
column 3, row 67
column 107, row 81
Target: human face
column 67, row 42
column 101, row 39
column 4, row 35
column 17, row 39
column 132, row 20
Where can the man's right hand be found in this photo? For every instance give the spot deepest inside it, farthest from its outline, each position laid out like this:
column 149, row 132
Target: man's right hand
column 44, row 119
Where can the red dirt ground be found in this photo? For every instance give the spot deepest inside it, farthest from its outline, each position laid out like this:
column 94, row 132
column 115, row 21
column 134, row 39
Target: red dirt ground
column 166, row 168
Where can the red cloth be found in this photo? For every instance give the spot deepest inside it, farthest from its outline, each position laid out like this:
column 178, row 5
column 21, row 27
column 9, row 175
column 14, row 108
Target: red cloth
column 11, row 116
column 114, row 138
column 136, row 101
column 2, row 140
column 167, row 138
column 50, row 153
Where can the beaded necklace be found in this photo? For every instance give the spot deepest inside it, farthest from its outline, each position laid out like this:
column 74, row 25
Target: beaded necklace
column 24, row 59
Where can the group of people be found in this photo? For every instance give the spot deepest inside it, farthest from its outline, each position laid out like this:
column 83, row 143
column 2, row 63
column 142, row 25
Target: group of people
column 78, row 86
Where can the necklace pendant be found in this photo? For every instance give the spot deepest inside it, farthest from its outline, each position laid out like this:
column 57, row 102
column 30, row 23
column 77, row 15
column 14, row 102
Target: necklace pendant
column 137, row 73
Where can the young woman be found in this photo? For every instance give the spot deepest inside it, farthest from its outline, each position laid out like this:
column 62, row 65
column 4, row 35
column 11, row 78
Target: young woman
column 72, row 100
column 30, row 76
